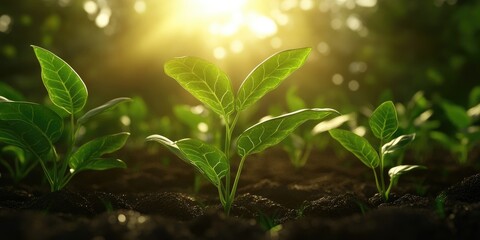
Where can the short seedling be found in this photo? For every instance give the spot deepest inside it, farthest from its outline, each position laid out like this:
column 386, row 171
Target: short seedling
column 384, row 124
column 212, row 87
column 35, row 128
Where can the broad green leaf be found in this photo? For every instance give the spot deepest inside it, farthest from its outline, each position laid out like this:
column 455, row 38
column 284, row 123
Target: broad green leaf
column 30, row 126
column 272, row 131
column 91, row 151
column 207, row 159
column 205, row 81
column 65, row 88
column 103, row 164
column 357, row 145
column 397, row 143
column 330, row 124
column 457, row 115
column 384, row 121
column 399, row 170
column 268, row 75
column 100, row 109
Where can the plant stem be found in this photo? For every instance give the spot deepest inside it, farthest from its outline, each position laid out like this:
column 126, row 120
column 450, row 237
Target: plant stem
column 231, row 197
column 387, row 192
column 382, row 164
column 228, row 138
column 376, row 181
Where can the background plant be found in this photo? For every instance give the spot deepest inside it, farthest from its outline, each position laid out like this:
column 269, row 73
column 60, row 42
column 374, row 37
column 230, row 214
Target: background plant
column 35, row 128
column 383, row 123
column 212, row 87
column 466, row 133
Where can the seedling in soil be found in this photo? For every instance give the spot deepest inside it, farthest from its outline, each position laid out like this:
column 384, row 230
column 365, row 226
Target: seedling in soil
column 384, row 124
column 212, row 87
column 35, row 128
column 467, row 134
column 300, row 144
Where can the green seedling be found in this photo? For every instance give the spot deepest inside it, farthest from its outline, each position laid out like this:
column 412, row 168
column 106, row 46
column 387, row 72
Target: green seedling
column 415, row 116
column 212, row 87
column 36, row 129
column 300, row 144
column 17, row 162
column 383, row 123
column 466, row 134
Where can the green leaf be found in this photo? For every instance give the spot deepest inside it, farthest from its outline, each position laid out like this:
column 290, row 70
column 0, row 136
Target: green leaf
column 272, row 131
column 397, row 143
column 100, row 164
column 30, row 126
column 100, row 109
column 17, row 152
column 87, row 154
column 384, row 121
column 205, row 81
column 457, row 115
column 207, row 159
column 395, row 172
column 357, row 145
column 65, row 88
column 268, row 75
column 330, row 124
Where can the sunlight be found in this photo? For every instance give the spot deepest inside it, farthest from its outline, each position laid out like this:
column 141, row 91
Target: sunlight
column 207, row 8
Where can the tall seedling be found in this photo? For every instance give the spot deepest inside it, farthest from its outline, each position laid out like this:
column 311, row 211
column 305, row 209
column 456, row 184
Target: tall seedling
column 35, row 128
column 384, row 124
column 212, row 87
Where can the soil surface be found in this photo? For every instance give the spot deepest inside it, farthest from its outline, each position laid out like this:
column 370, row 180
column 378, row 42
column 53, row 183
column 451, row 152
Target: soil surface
column 327, row 199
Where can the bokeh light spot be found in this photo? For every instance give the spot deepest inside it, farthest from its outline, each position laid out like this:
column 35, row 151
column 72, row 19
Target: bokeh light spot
column 337, row 79
column 353, row 85
column 140, row 6
column 219, row 53
column 5, row 22
column 90, row 7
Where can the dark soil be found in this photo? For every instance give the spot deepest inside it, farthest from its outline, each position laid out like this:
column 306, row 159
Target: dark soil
column 327, row 199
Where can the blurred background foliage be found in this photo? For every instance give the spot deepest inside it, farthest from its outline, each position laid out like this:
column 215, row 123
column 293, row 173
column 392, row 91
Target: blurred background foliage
column 365, row 51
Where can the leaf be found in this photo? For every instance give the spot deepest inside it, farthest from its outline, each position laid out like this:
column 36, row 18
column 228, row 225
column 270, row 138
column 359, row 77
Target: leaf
column 384, row 121
column 18, row 153
column 10, row 93
column 330, row 124
column 100, row 164
column 268, row 75
column 207, row 159
column 88, row 153
column 397, row 143
column 443, row 139
column 272, row 131
column 205, row 81
column 100, row 109
column 30, row 126
column 395, row 172
column 456, row 114
column 4, row 99
column 357, row 145
column 65, row 88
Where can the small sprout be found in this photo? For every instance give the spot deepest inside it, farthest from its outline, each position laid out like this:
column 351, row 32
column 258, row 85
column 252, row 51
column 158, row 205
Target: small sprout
column 211, row 86
column 383, row 123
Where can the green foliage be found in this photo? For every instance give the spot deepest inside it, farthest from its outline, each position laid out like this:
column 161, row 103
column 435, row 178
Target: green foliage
column 211, row 86
column 35, row 129
column 383, row 123
column 466, row 135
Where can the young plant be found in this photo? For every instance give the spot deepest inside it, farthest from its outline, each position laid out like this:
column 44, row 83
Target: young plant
column 467, row 134
column 35, row 128
column 212, row 87
column 383, row 123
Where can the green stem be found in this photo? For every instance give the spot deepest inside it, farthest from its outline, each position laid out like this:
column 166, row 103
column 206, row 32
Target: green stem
column 231, row 197
column 382, row 165
column 376, row 181
column 306, row 154
column 228, row 138
column 387, row 192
